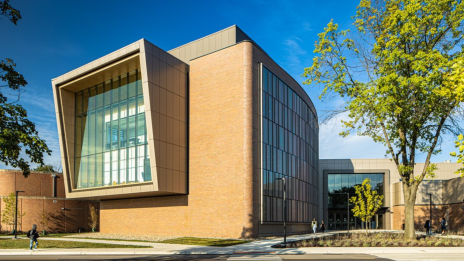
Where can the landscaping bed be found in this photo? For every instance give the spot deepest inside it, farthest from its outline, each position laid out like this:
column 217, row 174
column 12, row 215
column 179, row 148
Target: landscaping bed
column 374, row 240
column 204, row 241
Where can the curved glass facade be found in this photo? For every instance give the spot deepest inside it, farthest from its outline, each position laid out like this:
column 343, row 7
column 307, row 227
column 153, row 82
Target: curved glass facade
column 110, row 134
column 290, row 149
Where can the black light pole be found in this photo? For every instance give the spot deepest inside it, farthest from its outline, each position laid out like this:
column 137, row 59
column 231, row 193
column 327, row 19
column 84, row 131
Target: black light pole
column 430, row 207
column 284, row 214
column 16, row 214
column 64, row 210
column 348, row 209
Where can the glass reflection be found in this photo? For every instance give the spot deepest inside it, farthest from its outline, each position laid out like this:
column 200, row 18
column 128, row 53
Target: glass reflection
column 290, row 147
column 340, row 184
column 110, row 134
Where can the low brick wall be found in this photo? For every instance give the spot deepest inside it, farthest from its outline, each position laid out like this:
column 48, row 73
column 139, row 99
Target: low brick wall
column 452, row 212
column 38, row 198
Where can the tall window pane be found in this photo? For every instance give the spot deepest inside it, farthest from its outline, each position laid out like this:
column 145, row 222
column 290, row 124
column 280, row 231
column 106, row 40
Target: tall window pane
column 110, row 123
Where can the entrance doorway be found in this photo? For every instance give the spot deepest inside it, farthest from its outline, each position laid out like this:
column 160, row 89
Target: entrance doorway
column 339, row 221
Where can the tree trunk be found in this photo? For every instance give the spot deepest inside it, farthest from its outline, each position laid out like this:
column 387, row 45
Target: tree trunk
column 409, row 230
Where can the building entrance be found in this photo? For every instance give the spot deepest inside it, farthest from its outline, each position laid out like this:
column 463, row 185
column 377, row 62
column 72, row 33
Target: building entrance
column 339, row 221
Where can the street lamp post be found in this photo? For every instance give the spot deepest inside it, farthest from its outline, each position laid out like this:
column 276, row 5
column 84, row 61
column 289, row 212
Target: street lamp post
column 64, row 210
column 284, row 214
column 348, row 209
column 16, row 214
column 430, row 209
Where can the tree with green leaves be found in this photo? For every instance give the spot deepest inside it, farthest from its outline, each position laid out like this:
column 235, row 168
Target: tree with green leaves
column 17, row 132
column 459, row 144
column 45, row 167
column 366, row 202
column 457, row 80
column 392, row 71
column 8, row 212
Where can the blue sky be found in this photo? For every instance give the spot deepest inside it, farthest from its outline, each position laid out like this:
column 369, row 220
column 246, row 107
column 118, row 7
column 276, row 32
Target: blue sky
column 55, row 37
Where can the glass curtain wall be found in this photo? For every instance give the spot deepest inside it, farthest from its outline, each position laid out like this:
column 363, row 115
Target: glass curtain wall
column 110, row 136
column 290, row 150
column 338, row 186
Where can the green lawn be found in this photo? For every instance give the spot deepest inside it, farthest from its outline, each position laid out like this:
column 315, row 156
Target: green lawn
column 50, row 234
column 204, row 241
column 6, row 243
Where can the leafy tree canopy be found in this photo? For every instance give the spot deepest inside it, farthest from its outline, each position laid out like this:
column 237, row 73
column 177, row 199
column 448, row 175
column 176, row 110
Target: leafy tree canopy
column 9, row 12
column 46, row 167
column 395, row 73
column 17, row 132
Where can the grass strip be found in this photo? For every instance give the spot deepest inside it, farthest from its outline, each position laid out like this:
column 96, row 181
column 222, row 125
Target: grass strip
column 6, row 243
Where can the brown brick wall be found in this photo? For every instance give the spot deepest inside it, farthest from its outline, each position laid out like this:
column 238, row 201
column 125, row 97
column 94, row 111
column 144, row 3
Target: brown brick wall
column 220, row 200
column 38, row 199
column 224, row 157
column 422, row 213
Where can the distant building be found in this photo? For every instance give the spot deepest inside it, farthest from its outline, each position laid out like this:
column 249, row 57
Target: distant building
column 43, row 194
column 339, row 176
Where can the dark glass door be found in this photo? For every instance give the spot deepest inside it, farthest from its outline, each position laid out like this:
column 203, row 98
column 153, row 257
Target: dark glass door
column 331, row 221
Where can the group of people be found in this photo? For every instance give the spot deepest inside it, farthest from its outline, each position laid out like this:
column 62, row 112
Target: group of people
column 314, row 226
column 428, row 226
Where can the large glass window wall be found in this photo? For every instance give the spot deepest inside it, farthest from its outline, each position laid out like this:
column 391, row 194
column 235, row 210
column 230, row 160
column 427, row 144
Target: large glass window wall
column 338, row 185
column 290, row 150
column 110, row 136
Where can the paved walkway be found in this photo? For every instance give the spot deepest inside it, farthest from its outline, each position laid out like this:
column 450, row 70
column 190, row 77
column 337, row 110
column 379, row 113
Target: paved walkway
column 255, row 247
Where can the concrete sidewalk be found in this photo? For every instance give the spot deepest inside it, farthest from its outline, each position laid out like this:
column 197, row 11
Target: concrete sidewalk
column 258, row 247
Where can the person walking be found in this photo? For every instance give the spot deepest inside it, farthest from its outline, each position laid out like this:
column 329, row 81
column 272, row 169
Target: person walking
column 443, row 226
column 322, row 227
column 427, row 227
column 314, row 225
column 33, row 235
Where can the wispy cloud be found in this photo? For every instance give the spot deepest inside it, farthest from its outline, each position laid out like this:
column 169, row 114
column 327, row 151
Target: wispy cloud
column 306, row 26
column 41, row 111
column 334, row 146
column 294, row 53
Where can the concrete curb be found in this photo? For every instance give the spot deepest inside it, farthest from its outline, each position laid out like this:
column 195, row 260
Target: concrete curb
column 299, row 251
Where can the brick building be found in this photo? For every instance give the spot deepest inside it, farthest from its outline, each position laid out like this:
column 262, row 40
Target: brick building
column 43, row 195
column 436, row 199
column 339, row 176
column 198, row 141
column 194, row 141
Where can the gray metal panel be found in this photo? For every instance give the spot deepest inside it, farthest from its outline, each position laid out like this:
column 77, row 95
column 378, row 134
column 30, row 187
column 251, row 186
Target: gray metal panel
column 209, row 44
